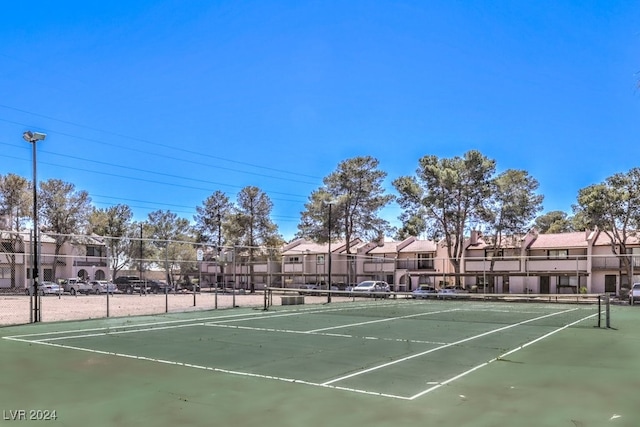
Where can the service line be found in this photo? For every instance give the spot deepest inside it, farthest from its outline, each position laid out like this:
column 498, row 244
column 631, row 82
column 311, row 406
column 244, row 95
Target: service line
column 413, row 356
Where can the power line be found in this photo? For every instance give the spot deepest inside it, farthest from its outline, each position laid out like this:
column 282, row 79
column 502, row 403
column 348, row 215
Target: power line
column 156, row 144
column 159, row 182
column 209, row 165
column 162, row 204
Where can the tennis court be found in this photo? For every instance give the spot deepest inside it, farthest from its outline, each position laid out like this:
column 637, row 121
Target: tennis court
column 423, row 359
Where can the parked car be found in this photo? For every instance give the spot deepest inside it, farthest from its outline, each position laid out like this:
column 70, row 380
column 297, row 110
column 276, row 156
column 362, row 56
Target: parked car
column 103, row 286
column 158, row 287
column 452, row 292
column 372, row 288
column 188, row 287
column 129, row 284
column 45, row 288
column 424, row 292
column 76, row 285
column 634, row 293
column 308, row 289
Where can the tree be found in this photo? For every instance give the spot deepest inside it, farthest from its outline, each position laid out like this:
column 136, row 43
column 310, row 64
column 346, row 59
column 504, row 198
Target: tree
column 613, row 206
column 450, row 193
column 138, row 252
column 553, row 222
column 15, row 203
column 115, row 225
column 168, row 233
column 510, row 209
column 560, row 222
column 14, row 208
column 412, row 225
column 64, row 212
column 210, row 216
column 250, row 226
column 356, row 193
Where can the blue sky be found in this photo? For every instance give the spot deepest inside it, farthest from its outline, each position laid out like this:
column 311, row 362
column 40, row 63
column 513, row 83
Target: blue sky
column 157, row 104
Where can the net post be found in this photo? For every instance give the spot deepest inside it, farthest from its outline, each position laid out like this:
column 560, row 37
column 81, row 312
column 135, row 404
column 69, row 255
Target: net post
column 607, row 310
column 599, row 309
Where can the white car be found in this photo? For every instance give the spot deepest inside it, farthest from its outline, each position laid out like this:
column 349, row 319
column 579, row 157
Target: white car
column 372, row 288
column 424, row 292
column 45, row 288
column 634, row 293
column 103, row 286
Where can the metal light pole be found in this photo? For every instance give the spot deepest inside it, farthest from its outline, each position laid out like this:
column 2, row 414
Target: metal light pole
column 32, row 138
column 329, row 261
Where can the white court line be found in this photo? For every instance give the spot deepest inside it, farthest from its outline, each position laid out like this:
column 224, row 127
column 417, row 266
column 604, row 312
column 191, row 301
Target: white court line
column 388, row 319
column 164, row 322
column 413, row 356
column 289, row 331
column 290, row 380
column 502, row 356
column 171, row 324
column 213, row 369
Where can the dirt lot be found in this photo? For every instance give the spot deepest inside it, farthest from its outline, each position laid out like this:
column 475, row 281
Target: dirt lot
column 15, row 309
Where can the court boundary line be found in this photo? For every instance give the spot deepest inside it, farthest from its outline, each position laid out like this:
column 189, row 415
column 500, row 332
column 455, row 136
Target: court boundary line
column 209, row 368
column 413, row 356
column 502, row 356
column 195, row 321
column 327, row 384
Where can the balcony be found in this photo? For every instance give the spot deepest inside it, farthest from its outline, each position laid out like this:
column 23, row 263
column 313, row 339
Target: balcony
column 379, row 267
column 606, row 263
column 557, row 265
column 89, row 261
column 499, row 265
column 292, row 267
column 415, row 264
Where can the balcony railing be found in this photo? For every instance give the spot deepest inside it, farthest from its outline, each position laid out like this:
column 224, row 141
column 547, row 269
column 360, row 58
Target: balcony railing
column 377, row 266
column 501, row 265
column 535, row 265
column 415, row 264
column 606, row 263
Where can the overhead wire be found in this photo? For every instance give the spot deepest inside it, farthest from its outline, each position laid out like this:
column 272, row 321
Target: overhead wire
column 155, row 144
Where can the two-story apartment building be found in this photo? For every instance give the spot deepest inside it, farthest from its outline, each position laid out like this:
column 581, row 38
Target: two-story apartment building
column 304, row 261
column 549, row 263
column 82, row 256
column 607, row 270
column 535, row 263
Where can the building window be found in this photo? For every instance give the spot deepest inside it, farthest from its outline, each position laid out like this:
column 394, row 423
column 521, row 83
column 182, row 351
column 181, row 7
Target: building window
column 320, row 259
column 491, row 253
column 425, row 261
column 293, row 259
column 559, row 254
column 5, row 272
column 635, row 256
column 567, row 282
column 95, row 251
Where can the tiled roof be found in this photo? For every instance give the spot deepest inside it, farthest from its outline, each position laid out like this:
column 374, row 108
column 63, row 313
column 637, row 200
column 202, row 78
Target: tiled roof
column 604, row 240
column 386, row 248
column 420, row 246
column 560, row 240
column 304, row 246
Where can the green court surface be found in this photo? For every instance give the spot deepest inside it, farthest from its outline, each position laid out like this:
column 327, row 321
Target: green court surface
column 360, row 363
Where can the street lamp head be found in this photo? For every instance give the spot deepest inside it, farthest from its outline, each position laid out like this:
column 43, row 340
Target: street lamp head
column 33, row 136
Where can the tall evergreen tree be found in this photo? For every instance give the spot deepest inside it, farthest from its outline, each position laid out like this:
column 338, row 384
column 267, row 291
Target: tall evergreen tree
column 14, row 210
column 115, row 225
column 64, row 212
column 450, row 194
column 250, row 227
